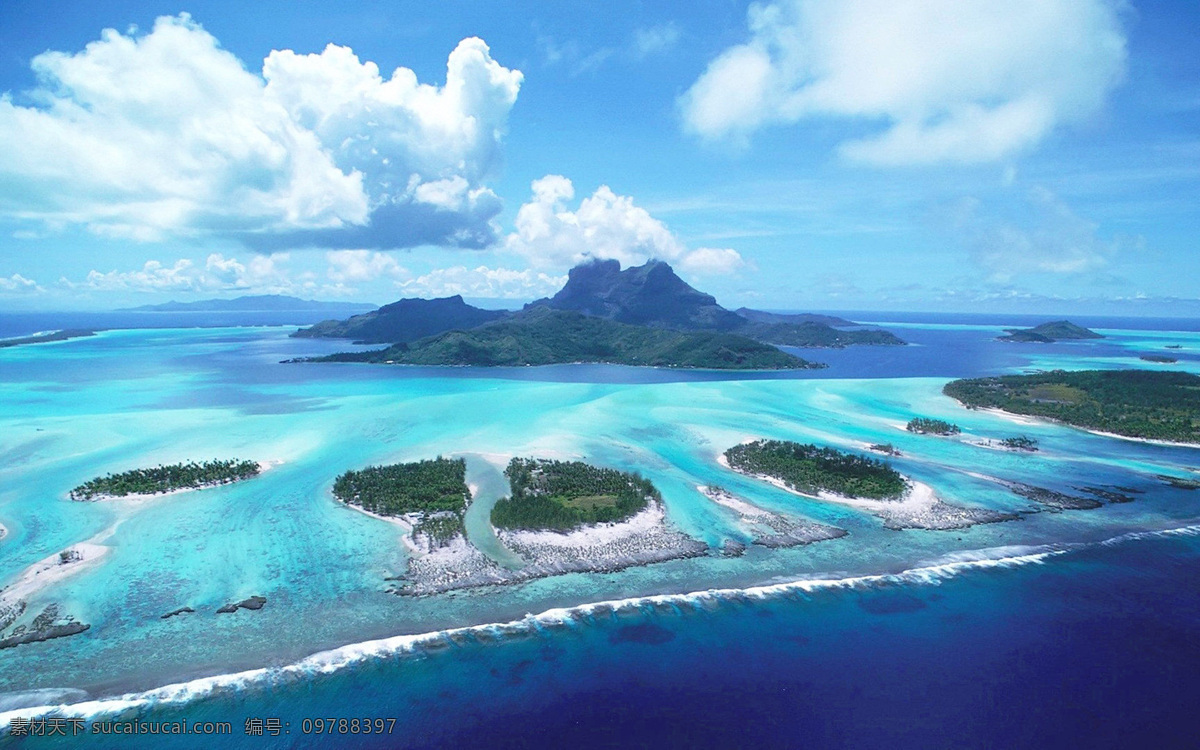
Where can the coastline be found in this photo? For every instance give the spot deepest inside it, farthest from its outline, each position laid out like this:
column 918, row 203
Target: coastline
column 1035, row 421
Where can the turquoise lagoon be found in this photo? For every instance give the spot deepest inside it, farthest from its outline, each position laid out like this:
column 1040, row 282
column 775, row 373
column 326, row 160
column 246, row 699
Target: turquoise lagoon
column 122, row 399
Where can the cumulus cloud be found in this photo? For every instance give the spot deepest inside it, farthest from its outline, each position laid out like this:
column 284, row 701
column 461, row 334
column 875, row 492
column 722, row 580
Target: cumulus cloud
column 165, row 133
column 351, row 266
column 1048, row 237
column 18, row 284
column 605, row 225
column 262, row 274
column 941, row 80
column 484, row 282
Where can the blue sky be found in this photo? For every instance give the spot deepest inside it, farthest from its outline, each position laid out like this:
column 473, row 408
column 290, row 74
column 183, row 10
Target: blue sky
column 1033, row 155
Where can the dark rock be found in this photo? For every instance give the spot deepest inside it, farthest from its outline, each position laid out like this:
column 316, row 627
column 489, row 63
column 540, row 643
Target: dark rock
column 180, row 611
column 254, row 602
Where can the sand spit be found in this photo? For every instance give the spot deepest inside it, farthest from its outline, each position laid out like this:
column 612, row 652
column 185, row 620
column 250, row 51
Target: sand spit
column 601, row 548
column 773, row 530
column 918, row 508
column 43, row 574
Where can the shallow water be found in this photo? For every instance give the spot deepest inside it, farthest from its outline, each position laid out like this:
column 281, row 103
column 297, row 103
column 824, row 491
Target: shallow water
column 77, row 409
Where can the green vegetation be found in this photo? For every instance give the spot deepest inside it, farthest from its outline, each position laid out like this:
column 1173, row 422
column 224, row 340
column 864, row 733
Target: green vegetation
column 813, row 334
column 923, row 426
column 1135, row 403
column 440, row 528
column 562, row 495
column 1058, row 330
column 542, row 336
column 1161, row 359
column 884, row 448
column 811, row 469
column 1020, row 443
column 45, row 338
column 166, row 478
column 438, row 485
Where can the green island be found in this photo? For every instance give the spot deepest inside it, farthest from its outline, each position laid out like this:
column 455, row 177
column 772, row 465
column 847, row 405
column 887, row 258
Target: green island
column 563, row 495
column 1134, row 403
column 1047, row 333
column 1160, row 359
column 811, row 469
column 544, row 336
column 1020, row 443
column 924, row 426
column 46, row 338
column 436, row 489
column 183, row 476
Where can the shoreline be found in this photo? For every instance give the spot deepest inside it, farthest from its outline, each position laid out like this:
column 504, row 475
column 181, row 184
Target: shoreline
column 1037, row 421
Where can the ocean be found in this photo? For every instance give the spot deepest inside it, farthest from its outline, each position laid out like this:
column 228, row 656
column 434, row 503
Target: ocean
column 1059, row 629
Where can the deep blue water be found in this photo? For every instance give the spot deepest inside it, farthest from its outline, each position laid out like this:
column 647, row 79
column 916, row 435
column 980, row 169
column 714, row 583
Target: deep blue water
column 1098, row 647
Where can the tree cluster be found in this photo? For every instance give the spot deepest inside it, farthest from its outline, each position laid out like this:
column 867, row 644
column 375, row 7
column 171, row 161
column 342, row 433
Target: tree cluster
column 924, row 426
column 562, row 495
column 424, row 486
column 166, row 478
column 811, row 469
column 1135, row 403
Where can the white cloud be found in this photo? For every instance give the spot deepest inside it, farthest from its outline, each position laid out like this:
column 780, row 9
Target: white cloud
column 655, row 40
column 160, row 134
column 1048, row 237
column 361, row 265
column 605, row 225
column 944, row 80
column 484, row 282
column 262, row 274
column 711, row 261
column 18, row 284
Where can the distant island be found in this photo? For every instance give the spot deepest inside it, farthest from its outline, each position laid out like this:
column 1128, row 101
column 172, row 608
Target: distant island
column 653, row 295
column 1047, row 333
column 45, row 338
column 1144, row 404
column 923, row 426
column 762, row 316
column 811, row 469
column 1160, row 359
column 542, row 336
column 253, row 303
column 404, row 321
column 642, row 316
column 162, row 479
column 564, row 495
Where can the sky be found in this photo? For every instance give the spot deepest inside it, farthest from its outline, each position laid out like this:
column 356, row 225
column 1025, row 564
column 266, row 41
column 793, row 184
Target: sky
column 932, row 155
